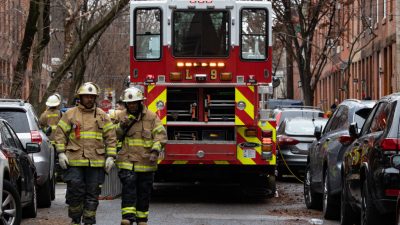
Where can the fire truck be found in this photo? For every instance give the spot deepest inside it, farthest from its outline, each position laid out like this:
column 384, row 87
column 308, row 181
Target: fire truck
column 205, row 68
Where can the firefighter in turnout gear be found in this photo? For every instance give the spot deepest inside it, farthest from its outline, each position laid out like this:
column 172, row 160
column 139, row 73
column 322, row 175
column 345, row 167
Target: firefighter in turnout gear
column 86, row 144
column 49, row 118
column 143, row 137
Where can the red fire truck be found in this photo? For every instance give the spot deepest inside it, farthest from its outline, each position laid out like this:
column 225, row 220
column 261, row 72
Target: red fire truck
column 205, row 67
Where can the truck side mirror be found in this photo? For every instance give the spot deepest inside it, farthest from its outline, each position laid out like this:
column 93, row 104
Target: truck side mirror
column 353, row 130
column 318, row 132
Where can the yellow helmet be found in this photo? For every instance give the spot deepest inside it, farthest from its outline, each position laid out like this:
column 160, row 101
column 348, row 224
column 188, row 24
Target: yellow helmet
column 53, row 100
column 88, row 88
column 132, row 94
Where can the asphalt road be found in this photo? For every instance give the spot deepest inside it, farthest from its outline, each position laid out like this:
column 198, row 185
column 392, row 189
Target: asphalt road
column 200, row 205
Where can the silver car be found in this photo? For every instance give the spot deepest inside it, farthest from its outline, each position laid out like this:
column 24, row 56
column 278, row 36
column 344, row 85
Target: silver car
column 24, row 121
column 293, row 138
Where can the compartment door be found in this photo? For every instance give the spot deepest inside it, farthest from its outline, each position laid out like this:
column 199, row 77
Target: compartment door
column 245, row 99
column 157, row 101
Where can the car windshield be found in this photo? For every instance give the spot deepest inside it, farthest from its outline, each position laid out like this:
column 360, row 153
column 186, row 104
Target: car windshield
column 300, row 113
column 303, row 127
column 17, row 119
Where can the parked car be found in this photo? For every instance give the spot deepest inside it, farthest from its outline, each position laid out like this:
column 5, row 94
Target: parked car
column 277, row 103
column 322, row 184
column 293, row 138
column 371, row 163
column 282, row 113
column 18, row 173
column 24, row 121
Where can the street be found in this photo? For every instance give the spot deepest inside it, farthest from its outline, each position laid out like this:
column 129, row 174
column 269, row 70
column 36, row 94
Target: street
column 200, row 205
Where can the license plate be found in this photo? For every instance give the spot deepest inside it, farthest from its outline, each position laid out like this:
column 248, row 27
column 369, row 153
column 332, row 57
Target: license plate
column 249, row 153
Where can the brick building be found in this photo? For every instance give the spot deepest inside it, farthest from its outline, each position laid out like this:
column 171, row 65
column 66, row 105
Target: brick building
column 371, row 72
column 13, row 14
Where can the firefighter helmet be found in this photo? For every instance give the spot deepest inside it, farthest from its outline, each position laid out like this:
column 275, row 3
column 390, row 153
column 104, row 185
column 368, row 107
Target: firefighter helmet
column 132, row 94
column 88, row 88
column 53, row 100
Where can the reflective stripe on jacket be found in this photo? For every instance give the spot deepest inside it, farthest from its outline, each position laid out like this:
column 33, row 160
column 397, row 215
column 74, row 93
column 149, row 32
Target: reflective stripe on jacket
column 50, row 118
column 145, row 135
column 86, row 137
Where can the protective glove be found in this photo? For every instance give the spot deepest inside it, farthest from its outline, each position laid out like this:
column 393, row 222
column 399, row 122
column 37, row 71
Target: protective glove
column 153, row 156
column 63, row 160
column 109, row 164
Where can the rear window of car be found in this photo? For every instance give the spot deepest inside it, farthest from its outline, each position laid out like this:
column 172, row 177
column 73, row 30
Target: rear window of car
column 17, row 118
column 300, row 113
column 303, row 127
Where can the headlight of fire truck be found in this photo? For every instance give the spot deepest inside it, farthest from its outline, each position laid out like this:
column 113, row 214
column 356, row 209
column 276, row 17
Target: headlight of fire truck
column 241, row 105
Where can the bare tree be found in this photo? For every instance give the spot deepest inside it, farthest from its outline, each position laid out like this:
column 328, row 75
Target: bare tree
column 103, row 21
column 300, row 19
column 42, row 40
column 25, row 49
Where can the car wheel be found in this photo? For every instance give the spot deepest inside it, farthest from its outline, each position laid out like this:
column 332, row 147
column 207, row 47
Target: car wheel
column 44, row 194
column 330, row 204
column 11, row 205
column 347, row 215
column 31, row 210
column 53, row 187
column 369, row 213
column 313, row 200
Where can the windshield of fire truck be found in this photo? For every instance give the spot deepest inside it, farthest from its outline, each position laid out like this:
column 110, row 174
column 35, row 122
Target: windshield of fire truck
column 200, row 33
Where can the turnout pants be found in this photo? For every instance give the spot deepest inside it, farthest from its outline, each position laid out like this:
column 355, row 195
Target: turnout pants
column 83, row 190
column 136, row 192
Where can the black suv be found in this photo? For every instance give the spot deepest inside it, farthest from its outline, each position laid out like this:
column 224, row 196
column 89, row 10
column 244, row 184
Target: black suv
column 322, row 185
column 18, row 176
column 370, row 170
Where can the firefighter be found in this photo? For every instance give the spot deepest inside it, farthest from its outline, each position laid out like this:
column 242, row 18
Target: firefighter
column 85, row 140
column 143, row 137
column 49, row 118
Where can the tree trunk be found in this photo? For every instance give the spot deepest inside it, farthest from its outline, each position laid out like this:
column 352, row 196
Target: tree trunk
column 25, row 50
column 289, row 73
column 42, row 40
column 59, row 74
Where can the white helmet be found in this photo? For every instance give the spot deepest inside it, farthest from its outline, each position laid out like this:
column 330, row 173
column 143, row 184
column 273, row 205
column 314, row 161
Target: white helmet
column 88, row 88
column 132, row 94
column 53, row 100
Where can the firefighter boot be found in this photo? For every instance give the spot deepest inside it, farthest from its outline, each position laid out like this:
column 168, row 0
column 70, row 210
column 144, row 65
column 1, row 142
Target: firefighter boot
column 126, row 222
column 75, row 222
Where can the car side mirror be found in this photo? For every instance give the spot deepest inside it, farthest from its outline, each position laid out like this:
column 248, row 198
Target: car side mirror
column 353, row 130
column 32, row 147
column 318, row 132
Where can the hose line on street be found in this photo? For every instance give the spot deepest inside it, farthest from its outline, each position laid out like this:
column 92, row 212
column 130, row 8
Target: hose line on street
column 286, row 165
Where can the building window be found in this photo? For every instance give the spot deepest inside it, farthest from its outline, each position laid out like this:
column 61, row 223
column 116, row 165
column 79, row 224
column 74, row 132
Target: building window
column 384, row 8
